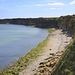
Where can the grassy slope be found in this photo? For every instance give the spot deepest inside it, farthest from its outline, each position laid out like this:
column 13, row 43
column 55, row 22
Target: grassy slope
column 67, row 64
column 23, row 62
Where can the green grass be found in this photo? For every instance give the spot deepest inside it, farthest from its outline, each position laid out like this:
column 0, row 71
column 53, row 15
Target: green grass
column 66, row 66
column 23, row 62
column 51, row 30
column 51, row 53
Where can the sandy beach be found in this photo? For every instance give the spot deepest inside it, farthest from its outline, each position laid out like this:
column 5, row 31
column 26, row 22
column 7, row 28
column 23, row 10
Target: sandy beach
column 58, row 40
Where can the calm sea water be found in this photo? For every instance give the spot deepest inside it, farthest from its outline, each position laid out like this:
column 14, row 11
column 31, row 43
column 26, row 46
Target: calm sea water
column 17, row 40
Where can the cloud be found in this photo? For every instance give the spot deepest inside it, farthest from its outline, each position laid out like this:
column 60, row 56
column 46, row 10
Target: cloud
column 24, row 6
column 48, row 4
column 40, row 5
column 55, row 8
column 73, row 2
column 56, row 4
column 52, row 4
column 52, row 8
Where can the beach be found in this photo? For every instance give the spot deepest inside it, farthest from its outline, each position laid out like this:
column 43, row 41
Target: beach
column 57, row 41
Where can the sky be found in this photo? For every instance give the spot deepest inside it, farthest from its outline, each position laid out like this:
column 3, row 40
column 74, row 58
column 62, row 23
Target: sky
column 36, row 8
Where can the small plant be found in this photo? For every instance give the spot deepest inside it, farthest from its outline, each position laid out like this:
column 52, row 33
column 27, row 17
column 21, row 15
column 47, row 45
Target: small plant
column 50, row 49
column 26, row 60
column 15, row 73
column 51, row 53
column 48, row 58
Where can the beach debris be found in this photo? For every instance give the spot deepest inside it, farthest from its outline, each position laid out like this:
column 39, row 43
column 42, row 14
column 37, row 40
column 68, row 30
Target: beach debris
column 46, row 67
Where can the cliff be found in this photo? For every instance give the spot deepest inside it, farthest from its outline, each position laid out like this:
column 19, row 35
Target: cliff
column 67, row 23
column 63, row 22
column 37, row 22
column 66, row 65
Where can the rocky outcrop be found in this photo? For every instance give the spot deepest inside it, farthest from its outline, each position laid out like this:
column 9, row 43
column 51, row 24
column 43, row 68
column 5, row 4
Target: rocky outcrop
column 67, row 23
column 47, row 67
column 37, row 22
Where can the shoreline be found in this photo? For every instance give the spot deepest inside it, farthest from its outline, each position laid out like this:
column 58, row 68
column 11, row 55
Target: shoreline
column 18, row 43
column 31, row 61
column 27, row 59
column 57, row 42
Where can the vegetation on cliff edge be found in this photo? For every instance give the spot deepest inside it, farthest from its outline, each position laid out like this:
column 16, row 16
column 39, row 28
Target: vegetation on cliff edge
column 66, row 65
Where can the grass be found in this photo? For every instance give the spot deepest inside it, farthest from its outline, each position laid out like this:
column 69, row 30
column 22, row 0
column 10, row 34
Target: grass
column 51, row 30
column 23, row 62
column 66, row 66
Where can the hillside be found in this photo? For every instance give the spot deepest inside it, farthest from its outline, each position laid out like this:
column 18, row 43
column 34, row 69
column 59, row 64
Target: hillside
column 67, row 23
column 67, row 64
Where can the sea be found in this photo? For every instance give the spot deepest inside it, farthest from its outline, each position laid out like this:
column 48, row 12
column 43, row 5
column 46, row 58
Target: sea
column 18, row 40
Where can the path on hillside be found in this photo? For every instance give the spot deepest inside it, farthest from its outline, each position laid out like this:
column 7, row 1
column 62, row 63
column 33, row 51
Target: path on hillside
column 57, row 42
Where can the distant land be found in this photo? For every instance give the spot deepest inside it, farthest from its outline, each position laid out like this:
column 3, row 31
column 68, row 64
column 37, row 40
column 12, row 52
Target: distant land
column 57, row 22
column 36, row 22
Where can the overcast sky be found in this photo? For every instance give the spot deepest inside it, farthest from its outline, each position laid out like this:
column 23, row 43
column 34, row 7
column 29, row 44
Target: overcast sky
column 36, row 8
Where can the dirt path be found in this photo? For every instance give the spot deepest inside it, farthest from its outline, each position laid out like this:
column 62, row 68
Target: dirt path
column 57, row 42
